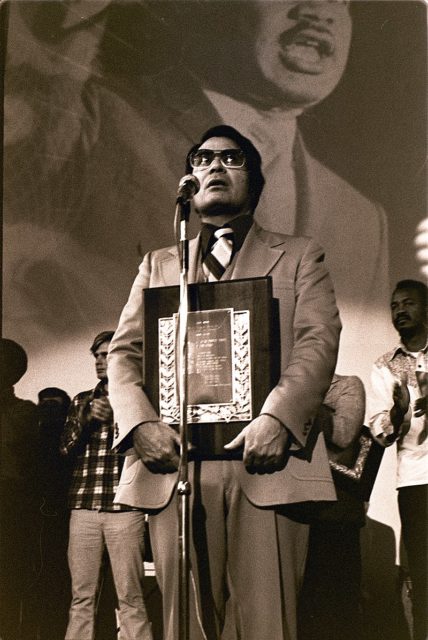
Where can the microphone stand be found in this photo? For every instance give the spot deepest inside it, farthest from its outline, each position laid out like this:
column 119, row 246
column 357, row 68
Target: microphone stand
column 182, row 212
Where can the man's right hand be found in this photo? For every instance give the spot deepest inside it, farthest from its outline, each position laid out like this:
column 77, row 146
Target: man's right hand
column 401, row 399
column 401, row 396
column 157, row 444
column 101, row 410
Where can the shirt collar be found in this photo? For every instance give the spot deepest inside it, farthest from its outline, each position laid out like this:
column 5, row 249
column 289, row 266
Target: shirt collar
column 401, row 348
column 240, row 227
column 100, row 389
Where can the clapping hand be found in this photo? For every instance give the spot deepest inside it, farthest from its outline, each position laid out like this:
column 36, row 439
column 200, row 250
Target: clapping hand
column 401, row 396
column 421, row 407
column 100, row 409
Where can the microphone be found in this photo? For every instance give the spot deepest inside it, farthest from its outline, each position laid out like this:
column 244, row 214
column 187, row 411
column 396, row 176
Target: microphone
column 187, row 187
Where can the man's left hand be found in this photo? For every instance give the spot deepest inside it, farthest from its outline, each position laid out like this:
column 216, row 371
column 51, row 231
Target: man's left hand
column 101, row 410
column 265, row 442
column 420, row 407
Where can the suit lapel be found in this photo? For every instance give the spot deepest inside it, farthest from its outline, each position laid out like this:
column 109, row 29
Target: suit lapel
column 169, row 267
column 257, row 257
column 193, row 259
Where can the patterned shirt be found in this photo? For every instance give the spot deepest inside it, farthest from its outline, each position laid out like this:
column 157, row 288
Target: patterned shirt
column 412, row 442
column 96, row 469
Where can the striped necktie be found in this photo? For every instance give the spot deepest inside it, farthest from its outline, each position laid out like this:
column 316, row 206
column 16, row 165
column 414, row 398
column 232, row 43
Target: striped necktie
column 218, row 259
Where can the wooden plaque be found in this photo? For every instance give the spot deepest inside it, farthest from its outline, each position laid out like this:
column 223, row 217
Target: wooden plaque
column 233, row 362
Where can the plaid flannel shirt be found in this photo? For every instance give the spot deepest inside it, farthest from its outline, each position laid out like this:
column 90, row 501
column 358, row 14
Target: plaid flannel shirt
column 96, row 469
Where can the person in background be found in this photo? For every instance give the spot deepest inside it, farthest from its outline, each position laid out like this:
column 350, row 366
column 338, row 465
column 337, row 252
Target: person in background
column 55, row 474
column 330, row 605
column 53, row 407
column 399, row 415
column 19, row 499
column 53, row 396
column 96, row 523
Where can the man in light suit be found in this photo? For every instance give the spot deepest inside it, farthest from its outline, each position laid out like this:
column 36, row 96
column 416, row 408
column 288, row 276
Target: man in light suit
column 242, row 540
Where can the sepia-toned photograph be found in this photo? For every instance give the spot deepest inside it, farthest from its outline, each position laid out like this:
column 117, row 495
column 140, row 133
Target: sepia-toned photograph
column 209, row 150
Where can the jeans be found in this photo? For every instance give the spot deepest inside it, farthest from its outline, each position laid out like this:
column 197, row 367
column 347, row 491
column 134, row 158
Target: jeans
column 123, row 535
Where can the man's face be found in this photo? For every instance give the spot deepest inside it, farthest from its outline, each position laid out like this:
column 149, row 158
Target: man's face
column 407, row 311
column 302, row 47
column 223, row 190
column 101, row 360
column 52, row 411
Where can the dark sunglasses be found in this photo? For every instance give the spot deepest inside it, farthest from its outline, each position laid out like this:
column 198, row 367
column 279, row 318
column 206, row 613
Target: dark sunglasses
column 229, row 158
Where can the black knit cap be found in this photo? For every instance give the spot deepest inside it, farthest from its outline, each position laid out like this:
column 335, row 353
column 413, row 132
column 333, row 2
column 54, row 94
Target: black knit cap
column 53, row 392
column 104, row 336
column 252, row 156
column 13, row 362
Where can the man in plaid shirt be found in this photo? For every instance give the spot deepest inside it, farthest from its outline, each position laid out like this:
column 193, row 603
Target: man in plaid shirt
column 96, row 522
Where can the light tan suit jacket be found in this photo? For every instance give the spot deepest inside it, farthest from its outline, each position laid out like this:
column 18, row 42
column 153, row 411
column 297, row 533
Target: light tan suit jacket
column 310, row 327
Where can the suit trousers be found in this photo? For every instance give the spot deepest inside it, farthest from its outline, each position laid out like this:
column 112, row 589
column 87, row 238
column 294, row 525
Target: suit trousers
column 250, row 558
column 123, row 535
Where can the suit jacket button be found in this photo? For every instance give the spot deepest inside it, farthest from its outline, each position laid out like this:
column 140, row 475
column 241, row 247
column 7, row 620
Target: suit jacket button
column 116, row 430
